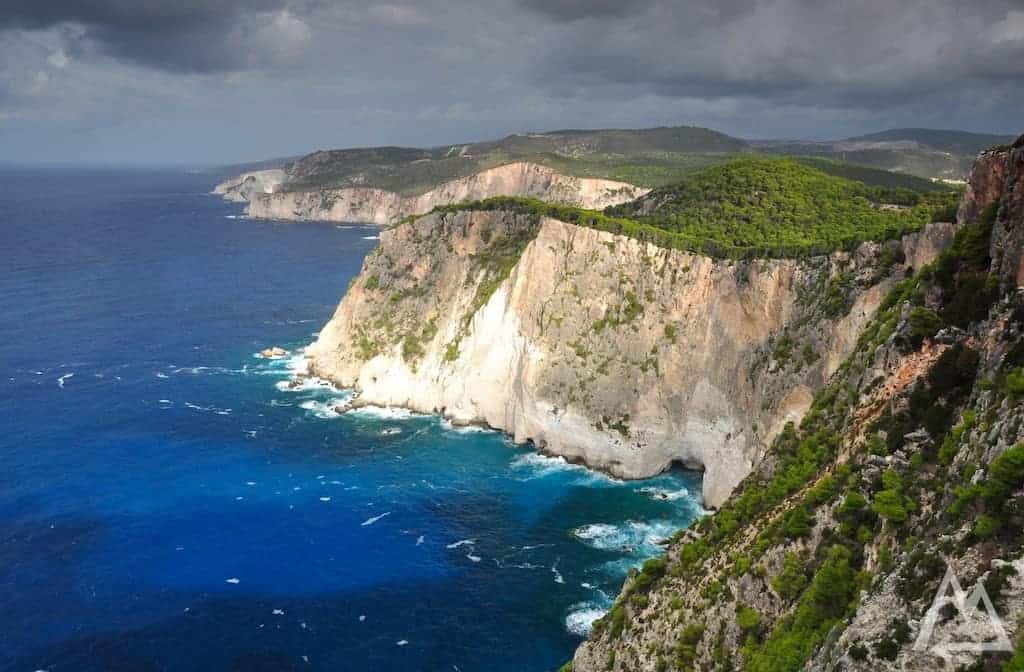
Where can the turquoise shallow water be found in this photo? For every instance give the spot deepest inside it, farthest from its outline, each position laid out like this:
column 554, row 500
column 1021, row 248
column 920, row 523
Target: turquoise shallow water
column 164, row 505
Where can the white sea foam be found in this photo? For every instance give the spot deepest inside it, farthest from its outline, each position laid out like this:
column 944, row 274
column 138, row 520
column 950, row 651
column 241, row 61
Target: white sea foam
column 632, row 537
column 232, row 580
column 325, row 499
column 447, row 425
column 390, row 431
column 323, row 409
column 474, row 558
column 419, row 540
column 374, row 519
column 464, row 542
column 160, row 374
column 60, row 381
column 582, row 617
column 278, row 612
column 208, row 409
column 558, row 575
column 307, row 384
column 205, row 370
column 382, row 412
column 666, row 494
column 371, row 237
column 402, row 642
column 535, row 465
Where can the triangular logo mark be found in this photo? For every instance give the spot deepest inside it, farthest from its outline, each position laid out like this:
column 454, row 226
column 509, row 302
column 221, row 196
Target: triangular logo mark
column 951, row 593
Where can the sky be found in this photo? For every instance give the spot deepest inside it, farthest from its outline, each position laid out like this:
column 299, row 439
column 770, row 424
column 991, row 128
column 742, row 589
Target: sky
column 223, row 81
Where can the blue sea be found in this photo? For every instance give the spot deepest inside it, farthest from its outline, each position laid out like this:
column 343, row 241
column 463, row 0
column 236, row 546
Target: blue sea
column 166, row 504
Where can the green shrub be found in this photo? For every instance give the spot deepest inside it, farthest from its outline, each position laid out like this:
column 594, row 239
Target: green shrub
column 617, row 618
column 797, row 523
column 1005, row 475
column 792, row 579
column 985, row 527
column 822, row 605
column 889, row 505
column 686, row 647
column 748, row 619
column 1015, row 383
column 853, row 508
column 924, row 323
column 952, row 440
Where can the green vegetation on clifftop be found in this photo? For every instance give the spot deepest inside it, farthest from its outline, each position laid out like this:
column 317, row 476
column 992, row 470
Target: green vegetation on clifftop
column 752, row 207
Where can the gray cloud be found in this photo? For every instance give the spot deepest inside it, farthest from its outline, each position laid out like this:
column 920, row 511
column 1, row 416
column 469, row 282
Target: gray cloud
column 181, row 35
column 221, row 80
column 852, row 53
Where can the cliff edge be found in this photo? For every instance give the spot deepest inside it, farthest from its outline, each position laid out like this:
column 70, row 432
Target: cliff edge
column 269, row 196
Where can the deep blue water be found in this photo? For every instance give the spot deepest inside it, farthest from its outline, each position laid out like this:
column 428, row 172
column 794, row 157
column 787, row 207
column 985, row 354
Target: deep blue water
column 164, row 506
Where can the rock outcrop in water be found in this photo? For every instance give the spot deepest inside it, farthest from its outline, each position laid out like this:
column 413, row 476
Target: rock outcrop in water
column 600, row 348
column 379, row 206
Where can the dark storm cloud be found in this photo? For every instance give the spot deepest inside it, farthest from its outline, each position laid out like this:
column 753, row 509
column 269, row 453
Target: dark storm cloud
column 183, row 35
column 800, row 51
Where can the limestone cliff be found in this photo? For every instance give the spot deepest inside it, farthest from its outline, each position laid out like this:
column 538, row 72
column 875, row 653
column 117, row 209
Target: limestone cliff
column 246, row 186
column 600, row 348
column 911, row 460
column 379, row 206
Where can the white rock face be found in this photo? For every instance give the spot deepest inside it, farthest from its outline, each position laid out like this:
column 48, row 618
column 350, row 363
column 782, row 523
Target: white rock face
column 378, row 206
column 596, row 347
column 247, row 185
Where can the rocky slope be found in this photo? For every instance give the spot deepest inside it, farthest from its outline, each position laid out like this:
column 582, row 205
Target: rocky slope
column 911, row 460
column 380, row 206
column 601, row 348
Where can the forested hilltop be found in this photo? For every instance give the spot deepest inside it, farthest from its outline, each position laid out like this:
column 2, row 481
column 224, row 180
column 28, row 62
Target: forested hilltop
column 756, row 207
column 652, row 157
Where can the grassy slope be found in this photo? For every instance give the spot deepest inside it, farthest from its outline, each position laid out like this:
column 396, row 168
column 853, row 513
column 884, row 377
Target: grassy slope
column 752, row 207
